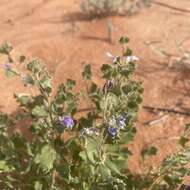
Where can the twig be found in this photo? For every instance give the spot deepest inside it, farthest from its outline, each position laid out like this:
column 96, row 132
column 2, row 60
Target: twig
column 149, row 108
column 86, row 109
column 171, row 7
column 169, row 110
column 154, row 122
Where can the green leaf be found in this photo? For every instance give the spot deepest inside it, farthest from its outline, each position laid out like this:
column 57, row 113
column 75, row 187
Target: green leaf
column 87, row 73
column 92, row 156
column 39, row 111
column 46, row 84
column 187, row 127
column 23, row 99
column 127, row 70
column 110, row 102
column 73, row 147
column 6, row 48
column 172, row 180
column 11, row 73
column 19, row 142
column 115, row 148
column 107, row 71
column 91, row 152
column 28, row 79
column 104, row 171
column 183, row 140
column 83, row 155
column 92, row 144
column 35, row 65
column 128, row 52
column 4, row 167
column 64, row 171
column 45, row 158
column 112, row 166
column 128, row 136
column 70, row 84
column 38, row 185
column 4, row 121
column 150, row 151
column 124, row 40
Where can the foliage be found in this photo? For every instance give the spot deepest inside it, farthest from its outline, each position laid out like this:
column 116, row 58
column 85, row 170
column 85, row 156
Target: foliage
column 98, row 8
column 79, row 153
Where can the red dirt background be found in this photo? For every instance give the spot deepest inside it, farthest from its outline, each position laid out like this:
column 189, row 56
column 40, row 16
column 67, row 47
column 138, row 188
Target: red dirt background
column 58, row 32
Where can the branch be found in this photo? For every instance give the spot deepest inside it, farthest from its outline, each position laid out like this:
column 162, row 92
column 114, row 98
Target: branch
column 169, row 110
column 149, row 108
column 157, row 121
column 171, row 7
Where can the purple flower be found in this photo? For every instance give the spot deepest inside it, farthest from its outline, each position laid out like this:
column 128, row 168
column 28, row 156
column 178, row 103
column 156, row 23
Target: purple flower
column 110, row 84
column 66, row 121
column 112, row 57
column 112, row 131
column 107, row 86
column 121, row 122
column 7, row 66
column 187, row 187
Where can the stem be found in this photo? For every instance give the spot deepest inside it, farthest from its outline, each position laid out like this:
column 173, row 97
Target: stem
column 53, row 178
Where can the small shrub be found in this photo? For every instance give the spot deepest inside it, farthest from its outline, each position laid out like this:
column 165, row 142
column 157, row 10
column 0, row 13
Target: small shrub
column 102, row 7
column 94, row 155
column 98, row 8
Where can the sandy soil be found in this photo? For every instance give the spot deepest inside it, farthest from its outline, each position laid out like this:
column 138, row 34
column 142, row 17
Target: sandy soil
column 58, row 32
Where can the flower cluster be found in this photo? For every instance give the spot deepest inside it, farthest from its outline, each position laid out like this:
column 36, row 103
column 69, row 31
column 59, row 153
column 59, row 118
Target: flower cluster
column 113, row 131
column 116, row 124
column 114, row 59
column 127, row 59
column 66, row 121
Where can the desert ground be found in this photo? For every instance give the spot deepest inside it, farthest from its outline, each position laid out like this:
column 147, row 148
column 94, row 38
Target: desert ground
column 59, row 33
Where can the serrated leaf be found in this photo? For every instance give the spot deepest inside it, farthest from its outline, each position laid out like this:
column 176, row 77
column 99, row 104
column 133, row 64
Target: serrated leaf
column 46, row 83
column 105, row 172
column 92, row 144
column 128, row 52
column 23, row 99
column 87, row 73
column 46, row 158
column 4, row 167
column 150, row 151
column 183, row 140
column 38, row 185
column 124, row 40
column 187, row 127
column 27, row 79
column 83, row 156
column 92, row 156
column 10, row 73
column 6, row 48
column 35, row 66
column 64, row 171
column 112, row 166
column 107, row 71
column 70, row 84
column 39, row 111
